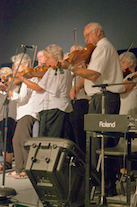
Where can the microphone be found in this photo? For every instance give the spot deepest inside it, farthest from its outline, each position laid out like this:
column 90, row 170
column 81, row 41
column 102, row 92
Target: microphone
column 32, row 47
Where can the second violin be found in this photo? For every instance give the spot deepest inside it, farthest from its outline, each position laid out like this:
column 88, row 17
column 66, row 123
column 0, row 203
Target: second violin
column 35, row 72
column 28, row 73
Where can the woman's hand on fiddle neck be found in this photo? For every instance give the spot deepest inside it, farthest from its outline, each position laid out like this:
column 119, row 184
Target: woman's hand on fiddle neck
column 63, row 64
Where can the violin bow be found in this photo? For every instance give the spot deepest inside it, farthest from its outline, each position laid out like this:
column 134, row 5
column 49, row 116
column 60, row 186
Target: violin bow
column 128, row 50
column 34, row 56
column 75, row 42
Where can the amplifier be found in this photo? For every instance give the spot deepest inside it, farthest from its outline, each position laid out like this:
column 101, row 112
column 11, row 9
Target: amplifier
column 56, row 169
column 110, row 123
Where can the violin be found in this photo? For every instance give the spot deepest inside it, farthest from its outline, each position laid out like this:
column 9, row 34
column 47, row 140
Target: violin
column 35, row 72
column 126, row 72
column 71, row 55
column 78, row 57
column 133, row 77
column 28, row 73
column 5, row 81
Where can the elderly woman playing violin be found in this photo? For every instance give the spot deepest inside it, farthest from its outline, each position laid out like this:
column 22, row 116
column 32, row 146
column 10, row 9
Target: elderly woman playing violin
column 11, row 120
column 129, row 96
column 26, row 116
column 52, row 99
column 103, row 68
column 41, row 58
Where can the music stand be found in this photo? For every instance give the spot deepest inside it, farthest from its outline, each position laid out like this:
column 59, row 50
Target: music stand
column 5, row 191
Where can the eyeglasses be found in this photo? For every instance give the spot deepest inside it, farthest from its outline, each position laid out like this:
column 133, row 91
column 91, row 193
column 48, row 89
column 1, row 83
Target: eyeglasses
column 87, row 35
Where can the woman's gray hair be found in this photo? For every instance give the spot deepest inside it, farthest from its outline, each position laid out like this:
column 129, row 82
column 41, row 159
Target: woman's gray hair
column 6, row 70
column 25, row 59
column 55, row 51
column 130, row 56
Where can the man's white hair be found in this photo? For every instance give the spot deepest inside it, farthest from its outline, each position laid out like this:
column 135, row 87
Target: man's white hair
column 95, row 25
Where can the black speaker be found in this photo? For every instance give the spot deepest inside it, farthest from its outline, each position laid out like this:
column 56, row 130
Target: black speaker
column 56, row 168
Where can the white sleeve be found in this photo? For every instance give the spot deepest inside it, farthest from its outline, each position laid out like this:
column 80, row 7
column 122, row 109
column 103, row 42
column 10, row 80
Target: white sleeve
column 24, row 91
column 99, row 59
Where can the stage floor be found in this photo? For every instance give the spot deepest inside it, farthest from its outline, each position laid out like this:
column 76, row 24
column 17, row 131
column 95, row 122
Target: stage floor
column 26, row 195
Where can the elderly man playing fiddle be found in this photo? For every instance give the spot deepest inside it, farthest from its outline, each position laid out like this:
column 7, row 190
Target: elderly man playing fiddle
column 103, row 68
column 41, row 58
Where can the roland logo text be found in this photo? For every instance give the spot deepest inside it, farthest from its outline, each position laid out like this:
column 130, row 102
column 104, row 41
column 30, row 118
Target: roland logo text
column 107, row 124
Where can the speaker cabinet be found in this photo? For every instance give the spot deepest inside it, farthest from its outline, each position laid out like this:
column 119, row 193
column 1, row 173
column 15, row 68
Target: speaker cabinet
column 56, row 169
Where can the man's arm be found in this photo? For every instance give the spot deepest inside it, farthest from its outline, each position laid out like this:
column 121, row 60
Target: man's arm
column 86, row 73
column 82, row 72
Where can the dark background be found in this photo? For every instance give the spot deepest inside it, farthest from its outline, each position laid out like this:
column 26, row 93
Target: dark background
column 44, row 22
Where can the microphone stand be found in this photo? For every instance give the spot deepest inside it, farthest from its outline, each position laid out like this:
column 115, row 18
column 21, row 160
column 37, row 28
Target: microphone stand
column 103, row 197
column 5, row 191
column 103, row 200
